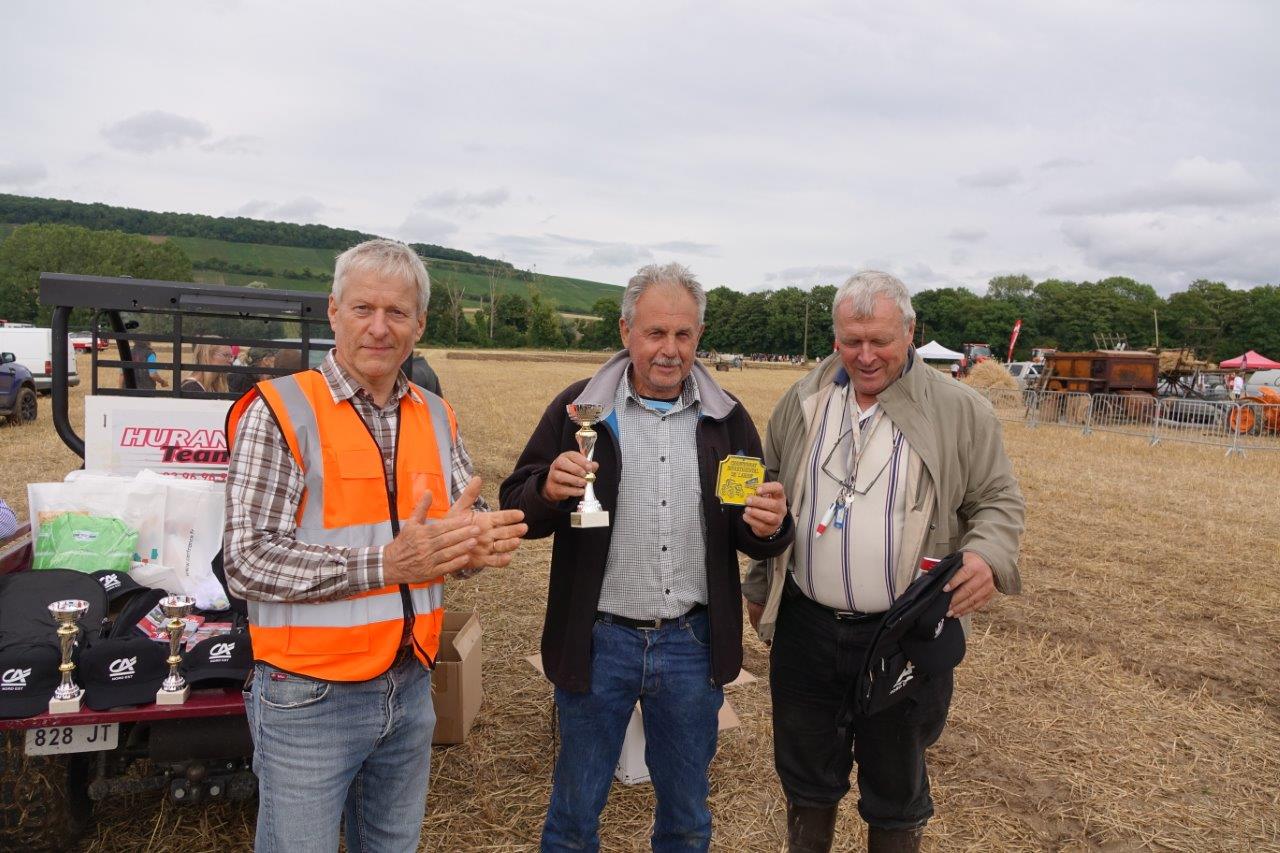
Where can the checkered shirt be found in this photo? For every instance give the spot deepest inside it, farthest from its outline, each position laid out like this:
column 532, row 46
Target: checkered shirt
column 657, row 551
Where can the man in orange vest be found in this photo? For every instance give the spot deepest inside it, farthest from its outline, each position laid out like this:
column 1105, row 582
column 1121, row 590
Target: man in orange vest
column 350, row 497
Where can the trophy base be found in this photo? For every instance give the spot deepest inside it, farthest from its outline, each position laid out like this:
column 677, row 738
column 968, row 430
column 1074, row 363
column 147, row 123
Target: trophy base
column 173, row 697
column 65, row 706
column 595, row 518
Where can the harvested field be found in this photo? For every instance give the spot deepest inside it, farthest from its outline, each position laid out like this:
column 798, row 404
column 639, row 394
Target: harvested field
column 1127, row 701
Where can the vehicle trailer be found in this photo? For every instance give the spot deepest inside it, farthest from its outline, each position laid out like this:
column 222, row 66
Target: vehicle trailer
column 53, row 768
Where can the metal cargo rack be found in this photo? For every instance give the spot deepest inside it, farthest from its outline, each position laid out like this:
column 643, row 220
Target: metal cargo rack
column 187, row 307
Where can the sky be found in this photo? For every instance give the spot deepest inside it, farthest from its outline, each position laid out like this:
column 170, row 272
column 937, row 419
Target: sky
column 762, row 144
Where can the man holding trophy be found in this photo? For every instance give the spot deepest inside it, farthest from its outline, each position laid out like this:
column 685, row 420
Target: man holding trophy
column 628, row 471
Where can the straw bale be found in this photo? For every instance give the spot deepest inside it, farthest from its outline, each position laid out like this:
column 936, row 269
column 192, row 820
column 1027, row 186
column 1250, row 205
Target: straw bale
column 1126, row 701
column 990, row 374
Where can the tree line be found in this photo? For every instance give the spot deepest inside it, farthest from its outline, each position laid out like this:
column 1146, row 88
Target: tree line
column 21, row 210
column 1216, row 320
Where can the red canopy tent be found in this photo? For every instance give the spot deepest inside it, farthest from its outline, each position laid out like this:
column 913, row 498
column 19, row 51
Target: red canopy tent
column 1249, row 361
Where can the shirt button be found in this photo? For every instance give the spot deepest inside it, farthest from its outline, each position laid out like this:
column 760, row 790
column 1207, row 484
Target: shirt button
column 664, row 547
column 667, row 591
column 664, row 503
column 662, row 459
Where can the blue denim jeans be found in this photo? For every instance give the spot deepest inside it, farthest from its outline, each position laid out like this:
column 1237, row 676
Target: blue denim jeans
column 325, row 751
column 669, row 671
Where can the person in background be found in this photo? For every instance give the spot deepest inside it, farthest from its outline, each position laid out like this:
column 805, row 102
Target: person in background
column 911, row 466
column 259, row 357
column 146, row 378
column 208, row 380
column 955, row 370
column 1237, row 386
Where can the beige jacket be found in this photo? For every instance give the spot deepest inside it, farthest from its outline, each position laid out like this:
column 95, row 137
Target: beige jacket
column 961, row 493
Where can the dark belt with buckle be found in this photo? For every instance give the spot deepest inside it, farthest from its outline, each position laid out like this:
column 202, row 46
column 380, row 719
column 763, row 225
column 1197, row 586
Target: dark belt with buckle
column 647, row 624
column 852, row 617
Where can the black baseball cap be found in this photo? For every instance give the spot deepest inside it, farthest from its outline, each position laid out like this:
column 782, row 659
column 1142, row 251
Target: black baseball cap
column 935, row 641
column 116, row 583
column 28, row 676
column 225, row 658
column 122, row 671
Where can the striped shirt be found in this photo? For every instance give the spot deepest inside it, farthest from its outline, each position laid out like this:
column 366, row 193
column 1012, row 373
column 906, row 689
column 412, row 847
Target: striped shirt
column 8, row 521
column 849, row 566
column 263, row 559
column 657, row 565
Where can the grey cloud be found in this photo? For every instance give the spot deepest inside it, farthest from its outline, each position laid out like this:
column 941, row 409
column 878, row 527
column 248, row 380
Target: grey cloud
column 155, row 130
column 614, row 255
column 998, row 177
column 1062, row 163
column 818, row 274
column 967, row 234
column 424, row 227
column 242, row 143
column 687, row 247
column 455, row 200
column 22, row 174
column 301, row 209
column 1179, row 247
column 1197, row 182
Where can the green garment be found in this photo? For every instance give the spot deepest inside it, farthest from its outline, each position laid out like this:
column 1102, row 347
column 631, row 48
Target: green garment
column 86, row 543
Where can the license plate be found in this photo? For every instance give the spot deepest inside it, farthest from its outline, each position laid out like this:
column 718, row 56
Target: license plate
column 54, row 740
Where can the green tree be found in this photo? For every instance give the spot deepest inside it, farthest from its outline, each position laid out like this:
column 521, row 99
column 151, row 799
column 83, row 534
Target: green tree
column 602, row 333
column 545, row 331
column 33, row 249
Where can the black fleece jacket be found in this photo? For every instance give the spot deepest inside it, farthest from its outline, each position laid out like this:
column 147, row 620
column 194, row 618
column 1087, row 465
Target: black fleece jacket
column 578, row 555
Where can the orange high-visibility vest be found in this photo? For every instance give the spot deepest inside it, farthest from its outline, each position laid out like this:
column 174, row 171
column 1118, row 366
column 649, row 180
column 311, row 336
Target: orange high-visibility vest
column 346, row 503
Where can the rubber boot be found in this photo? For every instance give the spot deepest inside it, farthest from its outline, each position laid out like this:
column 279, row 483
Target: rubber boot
column 810, row 829
column 894, row 840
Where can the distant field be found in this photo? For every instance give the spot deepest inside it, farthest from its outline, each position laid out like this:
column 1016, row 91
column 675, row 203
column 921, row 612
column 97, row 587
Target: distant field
column 568, row 294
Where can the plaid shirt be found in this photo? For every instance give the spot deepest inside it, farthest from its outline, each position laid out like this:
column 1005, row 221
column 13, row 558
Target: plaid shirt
column 263, row 560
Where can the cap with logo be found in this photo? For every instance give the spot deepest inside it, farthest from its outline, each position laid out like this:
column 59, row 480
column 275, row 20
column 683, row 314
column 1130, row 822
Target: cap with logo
column 122, row 671
column 28, row 676
column 225, row 659
column 117, row 584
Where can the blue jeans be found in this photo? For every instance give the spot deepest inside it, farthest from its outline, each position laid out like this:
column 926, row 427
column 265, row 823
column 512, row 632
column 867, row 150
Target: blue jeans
column 330, row 750
column 669, row 671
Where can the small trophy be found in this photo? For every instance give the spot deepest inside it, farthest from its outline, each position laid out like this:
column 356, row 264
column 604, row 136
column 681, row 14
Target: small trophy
column 67, row 696
column 174, row 690
column 590, row 513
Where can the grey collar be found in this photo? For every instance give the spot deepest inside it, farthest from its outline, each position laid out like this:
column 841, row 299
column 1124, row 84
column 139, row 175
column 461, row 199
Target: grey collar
column 602, row 389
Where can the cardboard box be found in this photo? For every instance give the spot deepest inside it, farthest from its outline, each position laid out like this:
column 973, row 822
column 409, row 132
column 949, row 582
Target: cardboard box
column 455, row 683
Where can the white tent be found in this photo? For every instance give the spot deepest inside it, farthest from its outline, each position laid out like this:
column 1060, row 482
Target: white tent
column 934, row 351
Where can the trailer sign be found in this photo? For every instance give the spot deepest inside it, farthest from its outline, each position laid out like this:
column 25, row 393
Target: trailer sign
column 175, row 437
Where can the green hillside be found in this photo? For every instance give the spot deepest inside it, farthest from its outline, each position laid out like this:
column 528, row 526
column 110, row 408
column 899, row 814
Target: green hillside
column 294, row 267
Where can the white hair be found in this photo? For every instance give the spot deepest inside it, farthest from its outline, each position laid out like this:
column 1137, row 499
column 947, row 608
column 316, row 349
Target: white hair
column 863, row 289
column 672, row 273
column 387, row 259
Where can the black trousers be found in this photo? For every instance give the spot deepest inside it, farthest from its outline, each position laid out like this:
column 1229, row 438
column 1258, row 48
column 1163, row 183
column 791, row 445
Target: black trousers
column 813, row 663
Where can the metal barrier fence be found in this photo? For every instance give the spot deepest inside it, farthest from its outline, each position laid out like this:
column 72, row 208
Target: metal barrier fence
column 1237, row 426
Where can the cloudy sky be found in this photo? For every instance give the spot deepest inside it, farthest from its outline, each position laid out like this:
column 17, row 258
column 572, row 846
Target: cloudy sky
column 762, row 144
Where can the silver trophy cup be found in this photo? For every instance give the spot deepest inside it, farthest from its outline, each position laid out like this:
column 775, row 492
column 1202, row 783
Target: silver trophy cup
column 67, row 695
column 174, row 690
column 589, row 513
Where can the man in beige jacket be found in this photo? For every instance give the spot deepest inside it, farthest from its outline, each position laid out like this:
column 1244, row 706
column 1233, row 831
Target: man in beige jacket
column 887, row 462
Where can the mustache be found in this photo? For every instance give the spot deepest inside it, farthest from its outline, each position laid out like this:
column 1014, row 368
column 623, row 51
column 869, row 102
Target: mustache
column 667, row 362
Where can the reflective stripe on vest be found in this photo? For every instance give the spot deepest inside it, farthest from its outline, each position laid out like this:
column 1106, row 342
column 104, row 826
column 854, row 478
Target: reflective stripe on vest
column 355, row 638
column 346, row 612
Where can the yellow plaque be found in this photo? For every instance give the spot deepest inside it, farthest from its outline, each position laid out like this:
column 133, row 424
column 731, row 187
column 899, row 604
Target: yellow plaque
column 738, row 478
